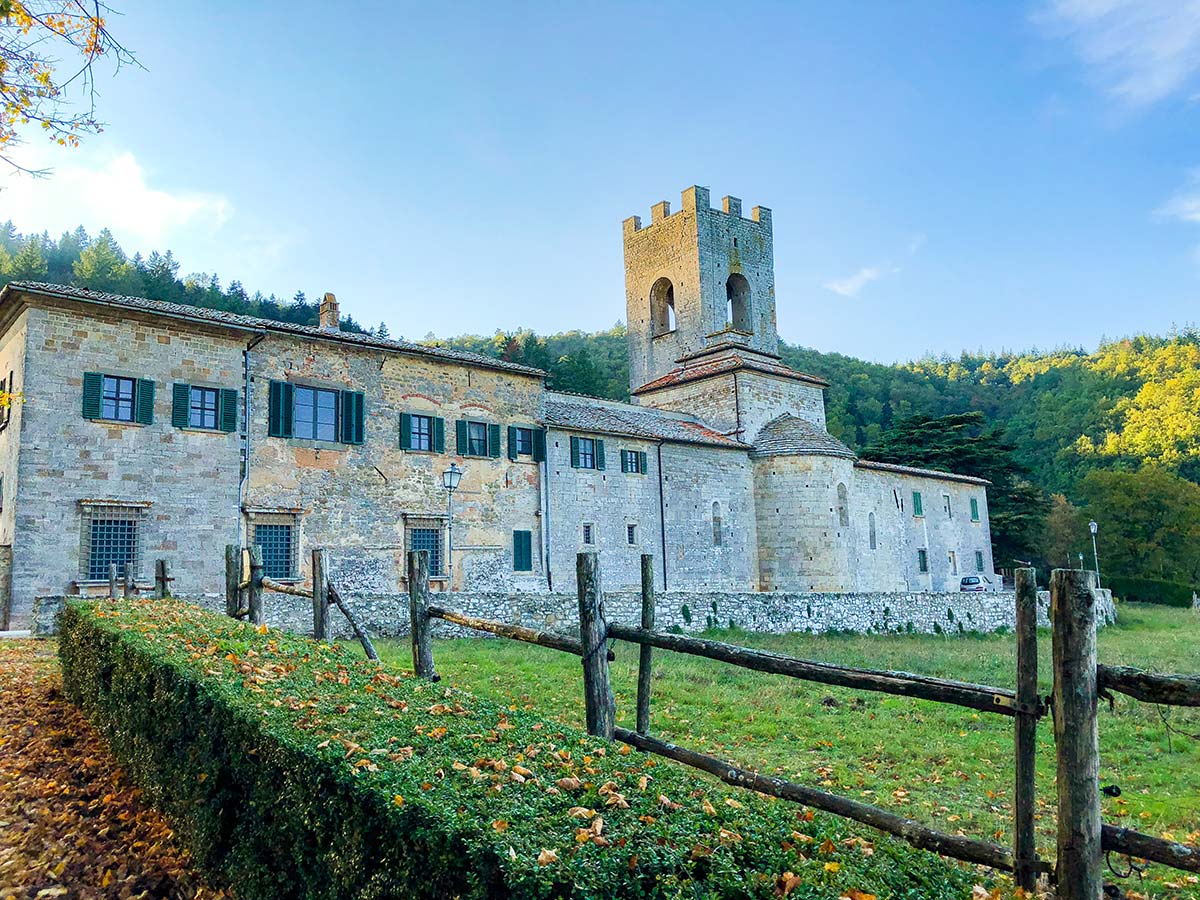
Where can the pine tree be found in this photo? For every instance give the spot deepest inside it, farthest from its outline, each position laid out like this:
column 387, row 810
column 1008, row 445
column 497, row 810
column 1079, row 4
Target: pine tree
column 382, row 331
column 103, row 267
column 29, row 263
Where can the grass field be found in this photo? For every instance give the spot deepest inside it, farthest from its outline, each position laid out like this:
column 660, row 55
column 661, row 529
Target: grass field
column 942, row 764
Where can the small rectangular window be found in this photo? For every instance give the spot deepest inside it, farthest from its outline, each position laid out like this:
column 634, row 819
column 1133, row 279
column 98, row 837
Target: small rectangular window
column 587, row 453
column 922, row 561
column 422, row 433
column 589, row 536
column 918, row 508
column 947, row 506
column 631, row 534
column 278, row 543
column 978, row 560
column 117, row 399
column 202, row 411
column 524, row 441
column 428, row 539
column 974, row 509
column 315, row 413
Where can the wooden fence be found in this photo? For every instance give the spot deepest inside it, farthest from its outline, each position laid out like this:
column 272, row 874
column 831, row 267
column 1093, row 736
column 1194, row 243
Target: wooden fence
column 1079, row 683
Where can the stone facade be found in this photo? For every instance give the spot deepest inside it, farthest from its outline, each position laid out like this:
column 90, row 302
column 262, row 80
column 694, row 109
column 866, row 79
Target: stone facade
column 722, row 469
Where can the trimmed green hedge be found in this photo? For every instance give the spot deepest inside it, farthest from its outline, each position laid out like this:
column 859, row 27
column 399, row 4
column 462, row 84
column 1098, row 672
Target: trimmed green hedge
column 293, row 769
column 1147, row 590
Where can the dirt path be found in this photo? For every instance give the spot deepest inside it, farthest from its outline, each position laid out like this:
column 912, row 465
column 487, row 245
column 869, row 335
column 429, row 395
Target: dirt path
column 71, row 824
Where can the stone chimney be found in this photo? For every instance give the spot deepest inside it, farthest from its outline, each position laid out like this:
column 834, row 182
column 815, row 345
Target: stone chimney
column 330, row 318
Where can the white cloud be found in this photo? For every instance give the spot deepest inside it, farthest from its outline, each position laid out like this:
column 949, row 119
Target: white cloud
column 110, row 190
column 1142, row 51
column 1184, row 206
column 852, row 284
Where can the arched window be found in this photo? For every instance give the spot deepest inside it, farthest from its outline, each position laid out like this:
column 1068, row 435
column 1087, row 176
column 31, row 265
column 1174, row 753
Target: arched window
column 843, row 506
column 737, row 290
column 716, row 517
column 871, row 528
column 662, row 306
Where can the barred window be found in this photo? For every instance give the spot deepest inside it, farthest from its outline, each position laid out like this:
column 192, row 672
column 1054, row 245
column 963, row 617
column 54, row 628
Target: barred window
column 428, row 539
column 203, row 408
column 111, row 536
column 278, row 543
column 116, row 401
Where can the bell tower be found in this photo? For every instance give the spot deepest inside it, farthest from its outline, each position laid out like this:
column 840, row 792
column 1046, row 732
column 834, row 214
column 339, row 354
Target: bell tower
column 698, row 283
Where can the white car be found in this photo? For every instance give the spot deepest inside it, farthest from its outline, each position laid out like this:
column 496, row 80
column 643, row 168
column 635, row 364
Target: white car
column 974, row 584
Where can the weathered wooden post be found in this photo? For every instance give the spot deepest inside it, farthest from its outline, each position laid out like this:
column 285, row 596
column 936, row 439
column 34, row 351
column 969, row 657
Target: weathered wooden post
column 129, row 590
column 418, row 608
column 645, row 651
column 162, row 579
column 258, row 615
column 593, row 631
column 320, row 594
column 233, row 577
column 1025, row 731
column 112, row 581
column 1076, row 735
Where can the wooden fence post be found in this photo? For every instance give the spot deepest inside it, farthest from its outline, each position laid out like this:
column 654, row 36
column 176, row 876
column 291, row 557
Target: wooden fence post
column 1073, row 618
column 1025, row 731
column 645, row 651
column 112, row 581
column 233, row 577
column 162, row 579
column 593, row 631
column 258, row 614
column 418, row 608
column 320, row 594
column 130, row 589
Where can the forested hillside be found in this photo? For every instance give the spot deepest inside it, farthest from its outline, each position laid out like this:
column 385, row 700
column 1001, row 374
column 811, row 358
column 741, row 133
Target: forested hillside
column 1088, row 428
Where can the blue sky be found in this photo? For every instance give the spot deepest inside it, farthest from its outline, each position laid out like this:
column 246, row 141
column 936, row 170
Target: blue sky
column 943, row 176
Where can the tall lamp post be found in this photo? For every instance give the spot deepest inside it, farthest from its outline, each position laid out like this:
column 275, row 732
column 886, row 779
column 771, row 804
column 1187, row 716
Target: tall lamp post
column 1096, row 556
column 450, row 479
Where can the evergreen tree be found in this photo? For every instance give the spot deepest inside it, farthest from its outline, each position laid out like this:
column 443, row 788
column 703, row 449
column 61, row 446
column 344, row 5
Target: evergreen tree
column 161, row 278
column 9, row 240
column 29, row 263
column 103, row 267
column 382, row 331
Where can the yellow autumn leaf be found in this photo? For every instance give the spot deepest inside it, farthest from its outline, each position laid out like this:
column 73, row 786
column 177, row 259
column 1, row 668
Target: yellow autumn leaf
column 832, row 866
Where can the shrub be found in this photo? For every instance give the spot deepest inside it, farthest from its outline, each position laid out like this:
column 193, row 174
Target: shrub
column 295, row 769
column 1148, row 590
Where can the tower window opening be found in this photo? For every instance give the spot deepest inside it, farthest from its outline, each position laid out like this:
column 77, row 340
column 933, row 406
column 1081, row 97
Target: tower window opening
column 843, row 506
column 737, row 291
column 662, row 306
column 716, row 524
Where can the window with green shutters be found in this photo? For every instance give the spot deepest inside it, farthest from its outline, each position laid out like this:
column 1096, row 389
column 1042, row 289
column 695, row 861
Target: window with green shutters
column 526, row 440
column 587, row 453
column 974, row 509
column 918, row 509
column 320, row 414
column 421, row 433
column 473, row 438
column 522, row 551
column 117, row 398
column 633, row 461
column 201, row 407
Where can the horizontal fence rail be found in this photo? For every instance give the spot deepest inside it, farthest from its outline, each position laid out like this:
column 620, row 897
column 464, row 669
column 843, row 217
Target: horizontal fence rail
column 1170, row 690
column 1143, row 846
column 973, row 696
column 922, row 836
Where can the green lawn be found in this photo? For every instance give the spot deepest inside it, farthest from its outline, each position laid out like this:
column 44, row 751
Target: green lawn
column 942, row 764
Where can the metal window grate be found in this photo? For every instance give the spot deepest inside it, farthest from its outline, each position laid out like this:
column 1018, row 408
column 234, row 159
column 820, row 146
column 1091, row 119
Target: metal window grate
column 112, row 535
column 278, row 543
column 428, row 539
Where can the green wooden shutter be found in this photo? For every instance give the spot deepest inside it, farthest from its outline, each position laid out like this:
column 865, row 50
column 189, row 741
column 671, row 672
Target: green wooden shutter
column 624, row 460
column 229, row 409
column 145, row 401
column 574, row 452
column 523, row 551
column 460, row 437
column 494, row 441
column 280, row 410
column 918, row 509
column 93, row 390
column 974, row 510
column 539, row 444
column 181, row 405
column 512, row 442
column 405, row 431
column 352, row 417
column 599, row 454
column 439, row 435
column 642, row 467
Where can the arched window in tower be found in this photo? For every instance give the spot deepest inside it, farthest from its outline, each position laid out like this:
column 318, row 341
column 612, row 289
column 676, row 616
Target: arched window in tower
column 737, row 290
column 716, row 517
column 843, row 506
column 871, row 528
column 662, row 307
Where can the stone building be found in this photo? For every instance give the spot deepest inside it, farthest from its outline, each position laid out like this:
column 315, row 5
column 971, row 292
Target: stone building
column 153, row 430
